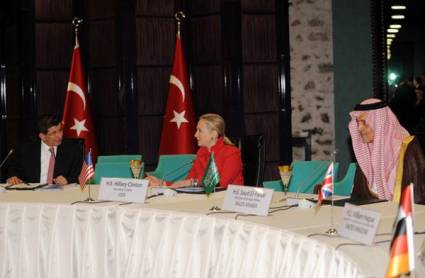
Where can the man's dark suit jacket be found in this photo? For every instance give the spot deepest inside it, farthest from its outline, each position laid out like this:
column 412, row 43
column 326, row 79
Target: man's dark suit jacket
column 25, row 163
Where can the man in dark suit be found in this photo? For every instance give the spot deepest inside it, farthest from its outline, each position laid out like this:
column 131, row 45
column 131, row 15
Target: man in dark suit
column 48, row 160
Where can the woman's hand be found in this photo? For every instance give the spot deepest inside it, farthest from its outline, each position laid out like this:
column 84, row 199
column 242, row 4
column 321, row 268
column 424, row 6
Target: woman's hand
column 154, row 181
column 14, row 180
column 182, row 183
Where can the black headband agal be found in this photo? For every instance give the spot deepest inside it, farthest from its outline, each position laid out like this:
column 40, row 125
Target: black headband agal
column 370, row 106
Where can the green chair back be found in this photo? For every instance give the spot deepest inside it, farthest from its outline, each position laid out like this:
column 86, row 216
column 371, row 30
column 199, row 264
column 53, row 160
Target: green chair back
column 344, row 187
column 305, row 175
column 277, row 185
column 118, row 158
column 173, row 167
column 115, row 166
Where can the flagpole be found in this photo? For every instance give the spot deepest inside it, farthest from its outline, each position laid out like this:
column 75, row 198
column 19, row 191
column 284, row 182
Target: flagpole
column 332, row 231
column 179, row 16
column 179, row 119
column 90, row 199
column 77, row 22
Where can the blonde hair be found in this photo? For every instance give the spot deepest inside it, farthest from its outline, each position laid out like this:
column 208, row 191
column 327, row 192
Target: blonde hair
column 216, row 122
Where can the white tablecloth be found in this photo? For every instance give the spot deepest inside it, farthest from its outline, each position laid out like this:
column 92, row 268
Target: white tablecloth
column 38, row 240
column 42, row 235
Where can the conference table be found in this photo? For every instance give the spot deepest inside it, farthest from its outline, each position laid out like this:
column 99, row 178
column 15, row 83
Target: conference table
column 46, row 234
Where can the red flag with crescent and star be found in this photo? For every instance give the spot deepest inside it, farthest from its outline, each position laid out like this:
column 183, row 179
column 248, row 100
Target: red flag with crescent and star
column 178, row 127
column 77, row 120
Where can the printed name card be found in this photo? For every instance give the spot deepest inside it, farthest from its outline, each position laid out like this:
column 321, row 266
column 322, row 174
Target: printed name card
column 359, row 224
column 123, row 190
column 248, row 200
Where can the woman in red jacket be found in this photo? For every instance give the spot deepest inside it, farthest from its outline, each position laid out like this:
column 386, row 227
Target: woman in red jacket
column 211, row 139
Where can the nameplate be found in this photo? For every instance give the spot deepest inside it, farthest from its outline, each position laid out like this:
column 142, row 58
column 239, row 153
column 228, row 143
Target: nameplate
column 359, row 224
column 248, row 200
column 123, row 190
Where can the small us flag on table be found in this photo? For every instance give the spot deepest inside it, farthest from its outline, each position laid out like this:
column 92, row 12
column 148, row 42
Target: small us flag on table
column 87, row 172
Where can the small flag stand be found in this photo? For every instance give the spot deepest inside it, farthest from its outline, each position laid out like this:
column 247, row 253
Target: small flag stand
column 327, row 190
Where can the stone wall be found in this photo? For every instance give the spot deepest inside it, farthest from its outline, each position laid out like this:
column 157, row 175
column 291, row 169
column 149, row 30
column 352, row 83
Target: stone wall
column 312, row 75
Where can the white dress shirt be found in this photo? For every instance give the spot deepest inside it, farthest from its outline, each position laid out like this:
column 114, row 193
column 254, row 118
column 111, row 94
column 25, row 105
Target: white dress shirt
column 44, row 161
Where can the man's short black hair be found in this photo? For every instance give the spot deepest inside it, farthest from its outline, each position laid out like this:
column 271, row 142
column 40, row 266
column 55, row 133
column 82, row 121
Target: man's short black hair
column 47, row 121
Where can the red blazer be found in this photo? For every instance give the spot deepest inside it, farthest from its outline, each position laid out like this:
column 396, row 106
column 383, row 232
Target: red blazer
column 227, row 159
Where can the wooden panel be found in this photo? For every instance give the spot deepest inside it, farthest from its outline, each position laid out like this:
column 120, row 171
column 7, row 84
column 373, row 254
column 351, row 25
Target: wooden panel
column 102, row 43
column 259, row 38
column 13, row 139
column 104, row 92
column 155, row 7
column 150, row 134
column 102, row 8
column 11, row 45
column 53, row 45
column 205, row 7
column 268, row 125
column 111, row 138
column 258, row 5
column 53, row 10
column 152, row 87
column 155, row 41
column 208, row 89
column 260, row 88
column 271, row 171
column 51, row 91
column 13, row 95
column 206, row 40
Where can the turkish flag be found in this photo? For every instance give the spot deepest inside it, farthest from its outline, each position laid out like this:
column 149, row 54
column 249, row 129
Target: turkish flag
column 178, row 127
column 77, row 120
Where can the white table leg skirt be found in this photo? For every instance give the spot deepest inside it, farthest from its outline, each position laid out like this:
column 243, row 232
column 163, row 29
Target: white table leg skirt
column 45, row 241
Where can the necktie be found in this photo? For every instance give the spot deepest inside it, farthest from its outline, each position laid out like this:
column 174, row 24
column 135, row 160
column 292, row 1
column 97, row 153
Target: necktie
column 51, row 166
